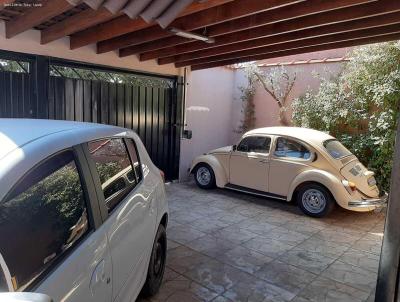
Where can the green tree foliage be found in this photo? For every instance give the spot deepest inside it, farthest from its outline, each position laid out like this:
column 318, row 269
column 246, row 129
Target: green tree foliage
column 359, row 106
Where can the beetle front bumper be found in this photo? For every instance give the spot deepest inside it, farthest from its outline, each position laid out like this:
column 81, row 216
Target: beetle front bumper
column 373, row 202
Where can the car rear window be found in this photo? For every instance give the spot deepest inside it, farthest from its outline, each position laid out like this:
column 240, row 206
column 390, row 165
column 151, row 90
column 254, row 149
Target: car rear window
column 336, row 149
column 119, row 170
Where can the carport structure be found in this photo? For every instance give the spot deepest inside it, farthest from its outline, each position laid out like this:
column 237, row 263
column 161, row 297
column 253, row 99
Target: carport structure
column 205, row 34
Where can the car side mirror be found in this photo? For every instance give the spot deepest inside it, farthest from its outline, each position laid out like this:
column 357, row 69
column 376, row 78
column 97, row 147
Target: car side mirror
column 234, row 147
column 24, row 297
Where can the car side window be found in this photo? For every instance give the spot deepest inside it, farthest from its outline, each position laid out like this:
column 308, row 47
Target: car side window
column 290, row 148
column 134, row 154
column 114, row 167
column 259, row 144
column 42, row 218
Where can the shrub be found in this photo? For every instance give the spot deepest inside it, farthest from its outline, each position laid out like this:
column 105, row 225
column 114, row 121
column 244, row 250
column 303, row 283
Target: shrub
column 359, row 106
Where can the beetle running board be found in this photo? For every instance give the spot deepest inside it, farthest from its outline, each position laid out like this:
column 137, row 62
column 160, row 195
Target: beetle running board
column 254, row 192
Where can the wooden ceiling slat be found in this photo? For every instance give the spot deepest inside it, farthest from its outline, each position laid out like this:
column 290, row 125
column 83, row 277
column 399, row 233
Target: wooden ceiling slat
column 310, row 7
column 334, row 45
column 334, row 16
column 225, row 12
column 349, row 26
column 35, row 16
column 123, row 24
column 80, row 21
column 364, row 33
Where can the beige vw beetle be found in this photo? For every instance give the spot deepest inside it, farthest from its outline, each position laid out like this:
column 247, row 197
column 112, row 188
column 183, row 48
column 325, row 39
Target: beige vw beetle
column 290, row 163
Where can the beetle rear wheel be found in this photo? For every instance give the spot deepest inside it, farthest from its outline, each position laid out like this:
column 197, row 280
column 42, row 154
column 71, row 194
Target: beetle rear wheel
column 314, row 200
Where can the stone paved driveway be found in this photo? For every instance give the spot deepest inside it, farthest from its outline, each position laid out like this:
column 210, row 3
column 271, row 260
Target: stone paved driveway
column 228, row 246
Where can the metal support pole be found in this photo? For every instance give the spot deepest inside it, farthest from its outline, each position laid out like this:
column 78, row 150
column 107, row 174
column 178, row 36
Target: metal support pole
column 387, row 285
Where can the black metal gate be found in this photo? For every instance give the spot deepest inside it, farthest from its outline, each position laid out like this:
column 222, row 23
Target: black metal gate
column 148, row 104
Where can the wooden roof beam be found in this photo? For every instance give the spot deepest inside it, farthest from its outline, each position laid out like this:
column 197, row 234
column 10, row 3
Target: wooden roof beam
column 364, row 33
column 310, row 7
column 342, row 37
column 123, row 24
column 75, row 23
column 283, row 53
column 225, row 12
column 35, row 16
column 335, row 28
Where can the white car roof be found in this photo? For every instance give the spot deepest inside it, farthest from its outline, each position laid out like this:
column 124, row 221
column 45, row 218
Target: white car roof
column 304, row 134
column 16, row 133
column 26, row 142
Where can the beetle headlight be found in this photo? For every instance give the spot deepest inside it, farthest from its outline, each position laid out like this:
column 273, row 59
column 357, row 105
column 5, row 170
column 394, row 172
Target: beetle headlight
column 350, row 186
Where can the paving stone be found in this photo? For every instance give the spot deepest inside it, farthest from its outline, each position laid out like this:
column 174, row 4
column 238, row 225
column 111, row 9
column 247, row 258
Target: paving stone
column 182, row 289
column 257, row 227
column 286, row 276
column 211, row 246
column 285, row 236
column 221, row 299
column 338, row 237
column 322, row 246
column 225, row 246
column 269, row 247
column 183, row 259
column 361, row 259
column 172, row 244
column 184, row 233
column 325, row 290
column 370, row 243
column 256, row 290
column 216, row 276
column 302, row 227
column 351, row 275
column 274, row 218
column 309, row 261
column 244, row 259
column 234, row 234
column 184, row 217
column 209, row 225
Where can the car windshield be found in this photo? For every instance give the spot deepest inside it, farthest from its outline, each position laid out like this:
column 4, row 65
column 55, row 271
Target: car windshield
column 336, row 149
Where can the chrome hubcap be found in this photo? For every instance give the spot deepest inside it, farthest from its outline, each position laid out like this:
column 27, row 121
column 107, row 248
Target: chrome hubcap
column 313, row 201
column 203, row 176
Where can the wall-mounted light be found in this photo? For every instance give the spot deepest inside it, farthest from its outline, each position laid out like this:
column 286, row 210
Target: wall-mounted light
column 190, row 35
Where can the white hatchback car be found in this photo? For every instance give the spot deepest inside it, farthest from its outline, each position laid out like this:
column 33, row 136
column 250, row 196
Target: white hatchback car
column 83, row 213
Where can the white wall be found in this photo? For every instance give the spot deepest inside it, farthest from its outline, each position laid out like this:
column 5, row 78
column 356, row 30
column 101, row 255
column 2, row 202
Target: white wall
column 208, row 114
column 29, row 42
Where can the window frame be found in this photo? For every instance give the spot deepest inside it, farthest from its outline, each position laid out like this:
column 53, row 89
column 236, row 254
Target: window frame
column 304, row 144
column 325, row 142
column 253, row 152
column 90, row 203
column 105, row 214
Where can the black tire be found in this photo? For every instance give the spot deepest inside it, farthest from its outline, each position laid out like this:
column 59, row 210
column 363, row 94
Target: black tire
column 155, row 272
column 203, row 183
column 317, row 195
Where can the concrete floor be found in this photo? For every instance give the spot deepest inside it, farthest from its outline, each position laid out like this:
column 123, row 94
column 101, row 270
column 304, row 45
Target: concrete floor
column 228, row 246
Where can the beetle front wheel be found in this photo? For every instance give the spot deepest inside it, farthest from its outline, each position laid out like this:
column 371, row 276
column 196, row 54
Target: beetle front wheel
column 315, row 201
column 204, row 176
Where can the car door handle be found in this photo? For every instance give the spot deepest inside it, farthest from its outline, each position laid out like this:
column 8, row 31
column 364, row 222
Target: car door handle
column 263, row 161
